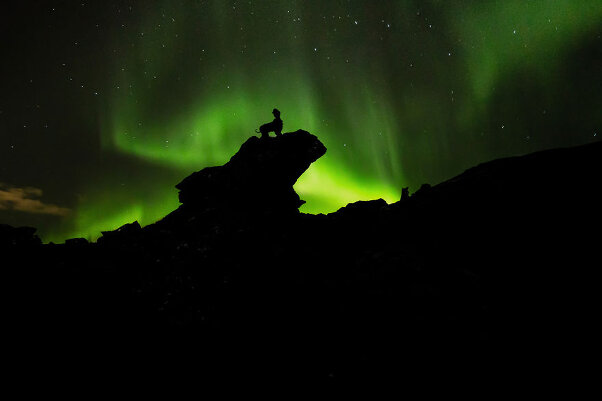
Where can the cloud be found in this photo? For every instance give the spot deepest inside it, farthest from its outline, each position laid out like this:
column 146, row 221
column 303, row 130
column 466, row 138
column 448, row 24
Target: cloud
column 24, row 200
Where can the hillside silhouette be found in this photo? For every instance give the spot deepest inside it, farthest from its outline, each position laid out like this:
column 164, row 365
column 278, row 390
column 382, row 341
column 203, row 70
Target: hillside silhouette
column 496, row 269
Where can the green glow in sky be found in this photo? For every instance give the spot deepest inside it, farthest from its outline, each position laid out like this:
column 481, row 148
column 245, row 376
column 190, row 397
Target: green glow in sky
column 400, row 92
column 502, row 36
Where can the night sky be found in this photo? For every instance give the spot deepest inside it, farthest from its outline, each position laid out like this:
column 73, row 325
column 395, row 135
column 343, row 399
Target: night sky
column 106, row 105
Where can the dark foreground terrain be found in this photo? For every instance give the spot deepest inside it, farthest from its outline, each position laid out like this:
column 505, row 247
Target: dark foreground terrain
column 492, row 274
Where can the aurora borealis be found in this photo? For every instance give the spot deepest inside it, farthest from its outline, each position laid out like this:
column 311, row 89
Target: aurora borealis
column 106, row 105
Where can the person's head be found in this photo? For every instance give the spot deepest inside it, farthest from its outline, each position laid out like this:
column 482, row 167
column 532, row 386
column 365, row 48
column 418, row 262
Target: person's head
column 276, row 113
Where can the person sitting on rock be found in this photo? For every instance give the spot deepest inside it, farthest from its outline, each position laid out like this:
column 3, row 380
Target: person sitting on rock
column 275, row 126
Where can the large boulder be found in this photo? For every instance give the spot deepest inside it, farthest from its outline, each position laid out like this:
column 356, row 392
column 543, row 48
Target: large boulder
column 259, row 176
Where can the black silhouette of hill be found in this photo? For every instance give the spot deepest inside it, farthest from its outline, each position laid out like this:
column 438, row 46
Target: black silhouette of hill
column 493, row 271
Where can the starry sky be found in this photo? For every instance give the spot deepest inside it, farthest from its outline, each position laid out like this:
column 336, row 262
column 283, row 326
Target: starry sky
column 106, row 105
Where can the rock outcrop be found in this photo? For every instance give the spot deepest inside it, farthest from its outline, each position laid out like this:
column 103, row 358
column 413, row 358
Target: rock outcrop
column 260, row 176
column 18, row 237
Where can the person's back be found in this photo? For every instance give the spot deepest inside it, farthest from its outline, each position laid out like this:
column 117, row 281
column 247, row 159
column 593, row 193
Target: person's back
column 277, row 124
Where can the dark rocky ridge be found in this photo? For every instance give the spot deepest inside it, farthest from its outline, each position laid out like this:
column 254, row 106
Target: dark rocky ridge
column 495, row 270
column 260, row 175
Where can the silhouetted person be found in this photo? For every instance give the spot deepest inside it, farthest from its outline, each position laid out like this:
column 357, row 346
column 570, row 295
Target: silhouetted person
column 275, row 126
column 405, row 193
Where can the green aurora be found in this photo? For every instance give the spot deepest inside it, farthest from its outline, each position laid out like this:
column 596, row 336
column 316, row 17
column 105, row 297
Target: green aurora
column 400, row 92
